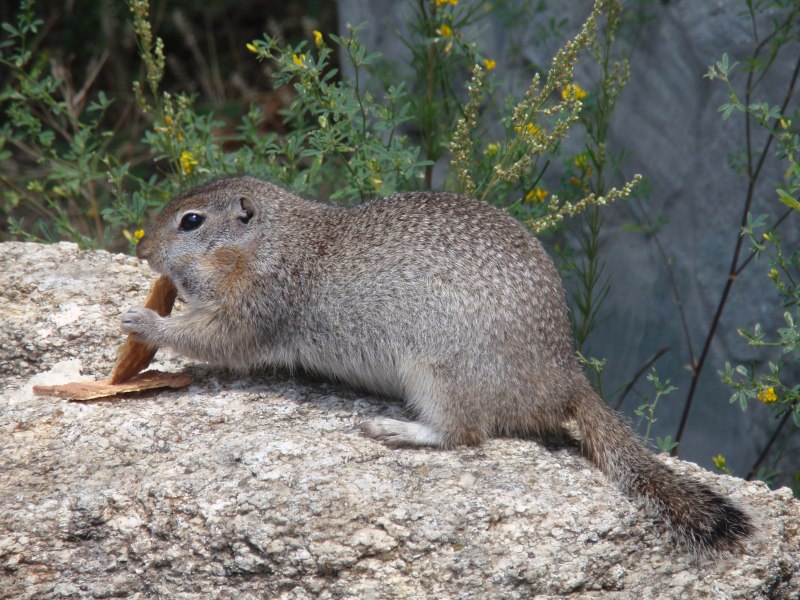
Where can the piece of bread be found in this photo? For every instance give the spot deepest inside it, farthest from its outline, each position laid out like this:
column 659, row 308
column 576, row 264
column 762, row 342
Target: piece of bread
column 94, row 390
column 135, row 356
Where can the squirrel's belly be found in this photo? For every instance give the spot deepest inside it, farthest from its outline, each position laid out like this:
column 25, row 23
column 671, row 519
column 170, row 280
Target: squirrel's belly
column 361, row 367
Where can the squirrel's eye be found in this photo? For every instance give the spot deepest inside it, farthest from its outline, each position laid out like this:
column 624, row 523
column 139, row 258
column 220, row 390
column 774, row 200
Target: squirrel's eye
column 191, row 221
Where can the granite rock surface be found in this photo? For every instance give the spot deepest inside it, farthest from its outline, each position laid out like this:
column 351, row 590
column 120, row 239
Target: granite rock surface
column 258, row 486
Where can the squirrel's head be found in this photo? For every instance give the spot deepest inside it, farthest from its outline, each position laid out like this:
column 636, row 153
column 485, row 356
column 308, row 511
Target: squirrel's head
column 203, row 238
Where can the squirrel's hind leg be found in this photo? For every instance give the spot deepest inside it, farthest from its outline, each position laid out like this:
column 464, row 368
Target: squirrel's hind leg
column 447, row 416
column 393, row 432
column 396, row 433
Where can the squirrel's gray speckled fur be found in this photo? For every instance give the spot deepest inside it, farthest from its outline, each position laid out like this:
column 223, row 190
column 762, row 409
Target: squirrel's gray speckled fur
column 435, row 298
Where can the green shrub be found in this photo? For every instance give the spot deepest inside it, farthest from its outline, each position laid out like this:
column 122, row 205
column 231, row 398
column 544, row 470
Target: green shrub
column 340, row 142
column 778, row 122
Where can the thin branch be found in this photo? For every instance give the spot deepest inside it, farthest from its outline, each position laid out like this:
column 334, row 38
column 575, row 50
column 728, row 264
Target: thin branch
column 46, row 212
column 661, row 352
column 95, row 66
column 734, row 268
column 753, row 254
column 751, row 473
column 678, row 299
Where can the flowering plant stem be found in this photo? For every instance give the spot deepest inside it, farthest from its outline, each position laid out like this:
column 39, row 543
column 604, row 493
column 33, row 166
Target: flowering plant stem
column 753, row 174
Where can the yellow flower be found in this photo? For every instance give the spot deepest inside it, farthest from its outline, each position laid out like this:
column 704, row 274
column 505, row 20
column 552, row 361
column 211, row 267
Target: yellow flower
column 168, row 121
column 531, row 129
column 441, row 2
column 720, row 462
column 537, row 195
column 252, row 48
column 489, row 64
column 773, row 274
column 138, row 234
column 573, row 90
column 445, row 30
column 317, row 38
column 188, row 162
column 492, row 150
column 767, row 395
column 298, row 60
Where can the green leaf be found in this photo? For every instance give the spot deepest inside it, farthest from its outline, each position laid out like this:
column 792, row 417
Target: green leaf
column 666, row 444
column 726, row 110
column 788, row 200
column 722, row 65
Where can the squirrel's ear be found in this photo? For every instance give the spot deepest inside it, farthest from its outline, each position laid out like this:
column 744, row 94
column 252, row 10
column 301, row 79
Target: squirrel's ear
column 246, row 209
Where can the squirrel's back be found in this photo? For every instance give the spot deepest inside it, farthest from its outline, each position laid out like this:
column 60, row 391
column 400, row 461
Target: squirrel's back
column 449, row 278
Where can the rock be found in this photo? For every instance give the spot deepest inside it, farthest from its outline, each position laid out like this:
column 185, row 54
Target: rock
column 259, row 487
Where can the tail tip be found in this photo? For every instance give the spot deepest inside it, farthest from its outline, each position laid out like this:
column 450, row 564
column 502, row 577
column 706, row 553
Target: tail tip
column 725, row 527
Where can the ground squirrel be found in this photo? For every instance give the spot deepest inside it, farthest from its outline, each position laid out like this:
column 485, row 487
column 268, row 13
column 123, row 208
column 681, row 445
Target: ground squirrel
column 435, row 298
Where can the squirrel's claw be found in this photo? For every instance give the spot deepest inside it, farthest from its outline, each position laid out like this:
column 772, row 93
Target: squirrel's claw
column 140, row 322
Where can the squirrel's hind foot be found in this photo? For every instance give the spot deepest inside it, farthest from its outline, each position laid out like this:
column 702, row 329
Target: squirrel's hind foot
column 401, row 433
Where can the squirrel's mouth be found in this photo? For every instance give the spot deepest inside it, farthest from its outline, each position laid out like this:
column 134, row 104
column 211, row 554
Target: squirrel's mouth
column 187, row 291
column 144, row 249
column 154, row 266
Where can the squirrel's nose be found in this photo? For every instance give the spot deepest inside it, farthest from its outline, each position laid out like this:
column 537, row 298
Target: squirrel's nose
column 143, row 248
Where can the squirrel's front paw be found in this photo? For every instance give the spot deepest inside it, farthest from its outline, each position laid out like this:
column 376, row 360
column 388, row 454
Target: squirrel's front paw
column 142, row 324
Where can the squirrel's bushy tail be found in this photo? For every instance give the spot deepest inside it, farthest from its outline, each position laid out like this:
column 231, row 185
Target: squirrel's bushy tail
column 700, row 519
